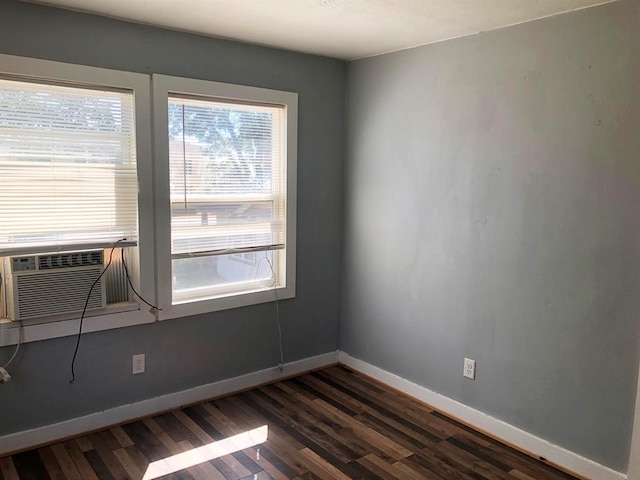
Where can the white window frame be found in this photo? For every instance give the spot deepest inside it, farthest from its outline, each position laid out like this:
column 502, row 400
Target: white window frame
column 80, row 75
column 163, row 87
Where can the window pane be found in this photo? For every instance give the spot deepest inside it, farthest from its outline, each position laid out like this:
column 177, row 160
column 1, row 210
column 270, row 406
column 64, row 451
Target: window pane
column 227, row 183
column 201, row 277
column 217, row 226
column 67, row 165
column 218, row 148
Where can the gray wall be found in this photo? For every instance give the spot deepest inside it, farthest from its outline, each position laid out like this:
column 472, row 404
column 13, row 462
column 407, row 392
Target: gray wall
column 492, row 201
column 187, row 352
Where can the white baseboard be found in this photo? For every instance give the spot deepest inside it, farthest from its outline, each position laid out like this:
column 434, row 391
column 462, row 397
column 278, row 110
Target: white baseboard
column 76, row 426
column 492, row 426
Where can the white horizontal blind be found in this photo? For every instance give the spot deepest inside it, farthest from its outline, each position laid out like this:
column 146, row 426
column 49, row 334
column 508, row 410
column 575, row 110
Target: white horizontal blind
column 227, row 176
column 67, row 165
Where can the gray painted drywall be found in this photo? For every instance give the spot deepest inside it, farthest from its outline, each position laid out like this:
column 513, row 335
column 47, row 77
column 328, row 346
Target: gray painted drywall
column 492, row 199
column 191, row 351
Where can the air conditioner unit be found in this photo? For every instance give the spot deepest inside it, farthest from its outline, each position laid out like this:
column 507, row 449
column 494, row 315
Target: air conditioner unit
column 53, row 284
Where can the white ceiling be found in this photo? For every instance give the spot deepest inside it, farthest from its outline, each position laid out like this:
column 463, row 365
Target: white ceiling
column 346, row 29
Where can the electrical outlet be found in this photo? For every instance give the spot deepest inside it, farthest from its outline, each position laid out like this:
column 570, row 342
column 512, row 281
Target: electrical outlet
column 138, row 364
column 469, row 368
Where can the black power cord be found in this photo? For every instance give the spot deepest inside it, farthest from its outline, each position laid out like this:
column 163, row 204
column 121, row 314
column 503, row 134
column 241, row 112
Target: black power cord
column 126, row 272
column 86, row 303
column 84, row 310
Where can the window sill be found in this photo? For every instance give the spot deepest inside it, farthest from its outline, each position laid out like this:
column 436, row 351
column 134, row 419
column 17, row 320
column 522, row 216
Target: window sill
column 130, row 314
column 225, row 302
column 116, row 316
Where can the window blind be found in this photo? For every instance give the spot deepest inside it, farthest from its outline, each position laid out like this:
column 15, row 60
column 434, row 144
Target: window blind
column 227, row 176
column 67, row 165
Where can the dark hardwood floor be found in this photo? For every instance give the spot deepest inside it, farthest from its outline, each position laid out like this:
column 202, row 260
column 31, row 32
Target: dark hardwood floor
column 330, row 424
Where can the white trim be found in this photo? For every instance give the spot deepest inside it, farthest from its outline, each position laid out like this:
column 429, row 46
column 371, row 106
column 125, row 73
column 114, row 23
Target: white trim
column 494, row 427
column 144, row 408
column 634, row 455
column 187, row 308
column 76, row 74
column 162, row 86
column 9, row 332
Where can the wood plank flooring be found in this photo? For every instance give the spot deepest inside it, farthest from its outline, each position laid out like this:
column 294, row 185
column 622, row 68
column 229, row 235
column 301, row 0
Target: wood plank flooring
column 330, row 424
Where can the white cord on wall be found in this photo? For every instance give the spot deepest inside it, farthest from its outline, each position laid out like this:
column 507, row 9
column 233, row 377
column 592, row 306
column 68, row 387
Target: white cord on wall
column 15, row 353
column 275, row 293
column 3, row 298
column 4, row 374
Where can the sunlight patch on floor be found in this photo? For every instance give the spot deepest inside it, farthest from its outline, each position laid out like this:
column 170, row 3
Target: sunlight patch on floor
column 205, row 453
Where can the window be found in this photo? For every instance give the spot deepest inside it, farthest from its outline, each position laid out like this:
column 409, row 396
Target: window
column 227, row 156
column 67, row 167
column 208, row 211
column 74, row 143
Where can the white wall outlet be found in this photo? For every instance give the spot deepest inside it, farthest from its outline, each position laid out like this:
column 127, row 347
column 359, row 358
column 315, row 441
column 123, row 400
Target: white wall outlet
column 469, row 368
column 138, row 364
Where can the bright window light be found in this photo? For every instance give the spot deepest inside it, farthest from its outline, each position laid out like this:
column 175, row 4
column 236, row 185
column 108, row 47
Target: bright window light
column 68, row 171
column 206, row 453
column 227, row 163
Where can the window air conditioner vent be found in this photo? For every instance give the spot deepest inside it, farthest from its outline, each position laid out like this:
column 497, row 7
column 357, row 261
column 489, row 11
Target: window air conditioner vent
column 68, row 260
column 48, row 285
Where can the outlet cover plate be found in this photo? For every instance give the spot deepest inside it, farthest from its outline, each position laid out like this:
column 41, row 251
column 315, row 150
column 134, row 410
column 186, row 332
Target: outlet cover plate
column 469, row 369
column 138, row 364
